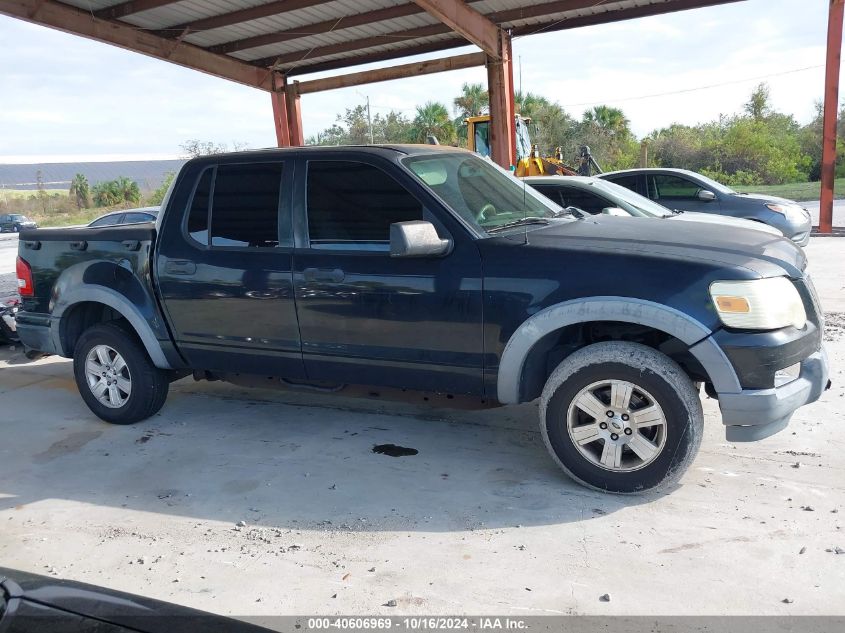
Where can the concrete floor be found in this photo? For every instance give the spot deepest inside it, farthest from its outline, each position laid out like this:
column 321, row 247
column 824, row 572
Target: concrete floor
column 479, row 521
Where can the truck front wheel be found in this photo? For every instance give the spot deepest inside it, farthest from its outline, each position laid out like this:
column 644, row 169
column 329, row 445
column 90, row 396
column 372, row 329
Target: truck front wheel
column 621, row 417
column 115, row 376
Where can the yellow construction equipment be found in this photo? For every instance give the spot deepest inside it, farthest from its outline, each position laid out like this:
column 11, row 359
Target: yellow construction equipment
column 528, row 159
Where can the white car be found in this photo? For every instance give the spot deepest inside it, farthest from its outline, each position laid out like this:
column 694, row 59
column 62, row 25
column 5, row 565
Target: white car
column 594, row 195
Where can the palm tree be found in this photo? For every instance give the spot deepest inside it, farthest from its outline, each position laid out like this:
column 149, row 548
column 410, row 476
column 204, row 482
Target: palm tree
column 612, row 121
column 79, row 190
column 128, row 190
column 528, row 103
column 433, row 120
column 473, row 100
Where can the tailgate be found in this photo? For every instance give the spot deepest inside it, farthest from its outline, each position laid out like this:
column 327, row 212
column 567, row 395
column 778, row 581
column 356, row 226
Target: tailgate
column 50, row 252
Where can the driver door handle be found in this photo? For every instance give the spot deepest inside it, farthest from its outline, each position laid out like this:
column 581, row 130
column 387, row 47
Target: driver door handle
column 323, row 274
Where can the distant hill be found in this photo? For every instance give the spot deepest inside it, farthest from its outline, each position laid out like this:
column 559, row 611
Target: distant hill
column 149, row 174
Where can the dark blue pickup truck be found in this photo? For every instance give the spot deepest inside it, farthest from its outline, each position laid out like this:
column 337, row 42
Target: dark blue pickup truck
column 431, row 269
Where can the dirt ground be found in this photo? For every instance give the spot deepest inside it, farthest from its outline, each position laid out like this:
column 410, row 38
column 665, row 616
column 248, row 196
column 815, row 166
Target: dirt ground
column 248, row 502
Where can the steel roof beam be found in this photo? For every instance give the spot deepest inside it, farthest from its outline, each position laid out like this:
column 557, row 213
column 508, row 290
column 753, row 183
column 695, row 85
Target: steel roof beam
column 66, row 18
column 123, row 9
column 438, row 29
column 240, row 15
column 468, row 22
column 297, row 60
column 403, row 71
column 316, row 28
column 381, row 56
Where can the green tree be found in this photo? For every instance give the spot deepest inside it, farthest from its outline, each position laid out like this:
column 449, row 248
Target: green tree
column 527, row 103
column 79, row 191
column 114, row 192
column 352, row 128
column 605, row 130
column 611, row 121
column 432, row 119
column 757, row 106
column 472, row 101
column 157, row 196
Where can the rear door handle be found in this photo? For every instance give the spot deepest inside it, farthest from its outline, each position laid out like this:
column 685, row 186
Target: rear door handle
column 180, row 267
column 323, row 274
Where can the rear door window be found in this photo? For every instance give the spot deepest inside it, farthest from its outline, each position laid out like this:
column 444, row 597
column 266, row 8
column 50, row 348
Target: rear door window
column 132, row 218
column 108, row 220
column 237, row 206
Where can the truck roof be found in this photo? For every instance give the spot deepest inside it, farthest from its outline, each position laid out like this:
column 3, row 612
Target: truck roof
column 388, row 150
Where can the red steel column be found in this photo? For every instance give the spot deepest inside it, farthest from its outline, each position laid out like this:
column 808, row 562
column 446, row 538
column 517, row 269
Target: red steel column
column 500, row 86
column 280, row 111
column 831, row 110
column 294, row 114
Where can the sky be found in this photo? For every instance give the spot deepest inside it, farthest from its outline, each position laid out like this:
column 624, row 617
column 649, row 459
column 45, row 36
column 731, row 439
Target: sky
column 65, row 98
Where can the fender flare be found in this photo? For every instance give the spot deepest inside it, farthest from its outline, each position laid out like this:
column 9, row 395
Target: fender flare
column 608, row 308
column 118, row 303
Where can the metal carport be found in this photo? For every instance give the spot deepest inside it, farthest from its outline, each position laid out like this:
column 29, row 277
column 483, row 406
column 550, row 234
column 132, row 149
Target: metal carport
column 269, row 44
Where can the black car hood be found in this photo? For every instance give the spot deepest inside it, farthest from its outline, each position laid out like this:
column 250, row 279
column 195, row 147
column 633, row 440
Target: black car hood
column 764, row 254
column 122, row 609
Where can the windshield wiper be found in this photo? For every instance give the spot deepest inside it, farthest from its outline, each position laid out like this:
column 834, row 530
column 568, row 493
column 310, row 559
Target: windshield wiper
column 515, row 223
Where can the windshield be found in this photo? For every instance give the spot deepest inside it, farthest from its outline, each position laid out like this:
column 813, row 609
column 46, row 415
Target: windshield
column 639, row 205
column 18, row 218
column 482, row 193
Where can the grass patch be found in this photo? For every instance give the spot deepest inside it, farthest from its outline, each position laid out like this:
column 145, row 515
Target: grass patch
column 83, row 216
column 24, row 194
column 801, row 191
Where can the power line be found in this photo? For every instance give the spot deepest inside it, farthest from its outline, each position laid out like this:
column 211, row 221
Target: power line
column 686, row 90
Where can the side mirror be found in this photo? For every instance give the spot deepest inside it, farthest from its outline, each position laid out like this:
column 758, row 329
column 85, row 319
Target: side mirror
column 416, row 238
column 705, row 195
column 617, row 211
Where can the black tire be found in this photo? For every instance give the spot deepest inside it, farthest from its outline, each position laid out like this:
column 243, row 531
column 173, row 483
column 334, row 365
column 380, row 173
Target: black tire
column 657, row 376
column 149, row 384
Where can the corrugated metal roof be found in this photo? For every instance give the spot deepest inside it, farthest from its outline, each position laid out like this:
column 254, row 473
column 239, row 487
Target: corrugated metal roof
column 296, row 35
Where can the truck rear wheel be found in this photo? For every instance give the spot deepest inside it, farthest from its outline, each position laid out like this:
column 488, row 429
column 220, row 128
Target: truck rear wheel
column 115, row 376
column 621, row 417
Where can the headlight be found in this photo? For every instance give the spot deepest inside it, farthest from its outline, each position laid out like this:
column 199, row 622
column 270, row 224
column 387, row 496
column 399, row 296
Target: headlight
column 758, row 304
column 785, row 210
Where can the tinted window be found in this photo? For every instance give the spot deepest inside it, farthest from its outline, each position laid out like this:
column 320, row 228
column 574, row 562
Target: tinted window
column 552, row 193
column 355, row 202
column 629, row 182
column 131, row 218
column 672, row 187
column 584, row 200
column 198, row 213
column 107, row 220
column 245, row 208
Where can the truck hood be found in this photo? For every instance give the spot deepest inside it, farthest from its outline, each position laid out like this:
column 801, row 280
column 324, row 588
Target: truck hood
column 764, row 254
column 713, row 218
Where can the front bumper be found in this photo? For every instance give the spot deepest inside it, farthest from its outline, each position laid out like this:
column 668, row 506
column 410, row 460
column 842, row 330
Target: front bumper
column 753, row 414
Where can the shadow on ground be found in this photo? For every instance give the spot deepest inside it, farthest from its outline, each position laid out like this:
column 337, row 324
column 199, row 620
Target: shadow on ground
column 293, row 460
